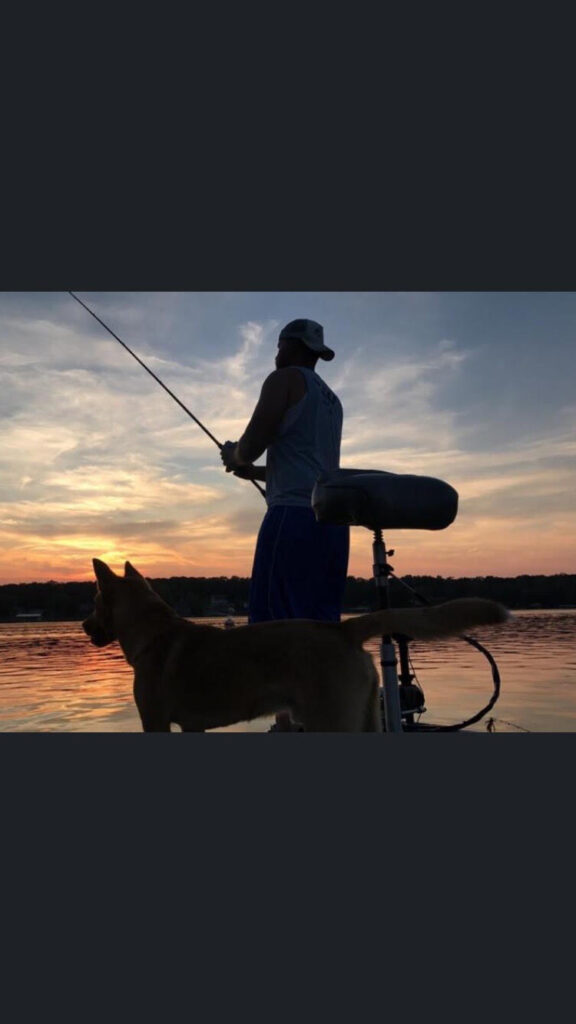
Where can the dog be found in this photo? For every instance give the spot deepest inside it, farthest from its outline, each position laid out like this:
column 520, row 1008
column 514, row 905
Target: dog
column 202, row 677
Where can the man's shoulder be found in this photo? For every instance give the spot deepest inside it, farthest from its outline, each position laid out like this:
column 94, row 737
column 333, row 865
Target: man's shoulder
column 285, row 386
column 286, row 373
column 284, row 379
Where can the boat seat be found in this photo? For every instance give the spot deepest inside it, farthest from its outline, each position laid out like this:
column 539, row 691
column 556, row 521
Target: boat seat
column 385, row 501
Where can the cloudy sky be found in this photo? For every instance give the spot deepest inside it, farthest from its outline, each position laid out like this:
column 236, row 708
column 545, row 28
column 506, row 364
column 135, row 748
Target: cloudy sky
column 477, row 388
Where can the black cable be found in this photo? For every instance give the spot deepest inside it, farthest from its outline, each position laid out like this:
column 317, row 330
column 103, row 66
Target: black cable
column 495, row 676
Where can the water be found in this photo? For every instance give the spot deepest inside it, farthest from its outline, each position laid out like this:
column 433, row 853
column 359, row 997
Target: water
column 53, row 680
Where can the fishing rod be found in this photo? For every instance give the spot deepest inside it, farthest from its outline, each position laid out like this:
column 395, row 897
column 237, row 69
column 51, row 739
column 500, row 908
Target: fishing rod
column 158, row 381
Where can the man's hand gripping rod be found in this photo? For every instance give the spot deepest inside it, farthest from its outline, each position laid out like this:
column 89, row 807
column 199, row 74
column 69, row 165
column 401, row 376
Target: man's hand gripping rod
column 158, row 381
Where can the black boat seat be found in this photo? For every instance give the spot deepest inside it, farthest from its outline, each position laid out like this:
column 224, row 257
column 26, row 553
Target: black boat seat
column 385, row 501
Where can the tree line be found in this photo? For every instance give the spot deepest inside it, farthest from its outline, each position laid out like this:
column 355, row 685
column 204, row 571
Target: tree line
column 228, row 595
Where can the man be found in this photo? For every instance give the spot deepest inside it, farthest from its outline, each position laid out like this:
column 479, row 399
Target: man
column 300, row 565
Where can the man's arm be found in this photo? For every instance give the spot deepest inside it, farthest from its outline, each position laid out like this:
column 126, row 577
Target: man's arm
column 274, row 401
column 280, row 390
column 250, row 472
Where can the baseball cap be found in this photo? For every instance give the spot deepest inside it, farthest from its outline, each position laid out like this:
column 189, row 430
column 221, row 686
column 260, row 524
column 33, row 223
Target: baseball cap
column 311, row 333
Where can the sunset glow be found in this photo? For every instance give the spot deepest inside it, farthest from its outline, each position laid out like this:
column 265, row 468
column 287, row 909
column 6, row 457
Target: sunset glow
column 96, row 460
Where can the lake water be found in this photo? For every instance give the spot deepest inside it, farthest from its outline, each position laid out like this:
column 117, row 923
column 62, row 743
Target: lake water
column 53, row 680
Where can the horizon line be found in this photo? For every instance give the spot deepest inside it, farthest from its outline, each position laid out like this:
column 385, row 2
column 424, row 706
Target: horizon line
column 366, row 579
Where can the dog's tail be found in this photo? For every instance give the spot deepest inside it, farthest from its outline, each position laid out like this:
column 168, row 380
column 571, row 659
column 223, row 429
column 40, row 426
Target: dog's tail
column 448, row 619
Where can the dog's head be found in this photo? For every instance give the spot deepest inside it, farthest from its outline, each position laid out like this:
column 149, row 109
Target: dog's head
column 102, row 625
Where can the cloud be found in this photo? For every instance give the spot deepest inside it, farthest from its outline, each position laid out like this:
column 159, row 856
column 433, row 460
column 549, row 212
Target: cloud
column 96, row 459
column 391, row 414
column 92, row 454
column 239, row 365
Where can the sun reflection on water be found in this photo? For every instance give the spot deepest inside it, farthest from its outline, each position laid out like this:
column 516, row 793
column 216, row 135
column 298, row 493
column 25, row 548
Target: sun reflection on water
column 53, row 680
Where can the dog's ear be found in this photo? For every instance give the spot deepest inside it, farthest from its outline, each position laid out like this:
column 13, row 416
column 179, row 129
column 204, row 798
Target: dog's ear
column 104, row 574
column 129, row 570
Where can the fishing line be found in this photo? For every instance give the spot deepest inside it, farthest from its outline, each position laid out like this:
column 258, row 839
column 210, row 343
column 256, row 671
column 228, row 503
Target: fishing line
column 158, row 381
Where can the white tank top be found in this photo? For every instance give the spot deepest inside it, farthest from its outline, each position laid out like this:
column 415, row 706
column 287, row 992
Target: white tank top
column 306, row 444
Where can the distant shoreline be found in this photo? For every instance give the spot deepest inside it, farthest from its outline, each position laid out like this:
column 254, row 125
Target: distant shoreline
column 223, row 597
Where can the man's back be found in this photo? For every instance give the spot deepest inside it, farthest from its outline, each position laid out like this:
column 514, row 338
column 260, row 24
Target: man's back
column 306, row 444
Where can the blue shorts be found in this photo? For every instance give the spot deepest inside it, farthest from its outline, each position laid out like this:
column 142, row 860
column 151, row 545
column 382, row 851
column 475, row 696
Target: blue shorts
column 300, row 567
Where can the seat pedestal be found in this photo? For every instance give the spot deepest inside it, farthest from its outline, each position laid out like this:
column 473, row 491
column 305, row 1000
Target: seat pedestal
column 377, row 501
column 390, row 691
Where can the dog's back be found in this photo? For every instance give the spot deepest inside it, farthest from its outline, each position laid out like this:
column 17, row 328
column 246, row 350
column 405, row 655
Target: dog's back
column 202, row 677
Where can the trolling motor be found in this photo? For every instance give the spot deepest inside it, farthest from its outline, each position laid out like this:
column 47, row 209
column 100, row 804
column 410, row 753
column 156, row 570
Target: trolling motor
column 391, row 501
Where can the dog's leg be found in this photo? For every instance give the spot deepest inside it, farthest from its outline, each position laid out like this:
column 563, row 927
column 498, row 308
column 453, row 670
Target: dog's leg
column 361, row 713
column 336, row 714
column 153, row 719
column 154, row 722
column 153, row 715
column 373, row 718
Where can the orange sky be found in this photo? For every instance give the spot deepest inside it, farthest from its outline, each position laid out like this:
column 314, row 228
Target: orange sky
column 96, row 461
column 208, row 544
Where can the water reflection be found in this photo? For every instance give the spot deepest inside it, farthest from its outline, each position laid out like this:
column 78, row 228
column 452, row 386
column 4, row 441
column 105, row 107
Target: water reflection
column 53, row 679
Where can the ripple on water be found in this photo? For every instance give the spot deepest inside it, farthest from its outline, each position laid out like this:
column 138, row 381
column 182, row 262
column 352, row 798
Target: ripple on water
column 53, row 679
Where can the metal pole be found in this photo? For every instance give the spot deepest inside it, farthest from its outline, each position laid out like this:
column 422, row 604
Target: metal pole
column 381, row 570
column 406, row 676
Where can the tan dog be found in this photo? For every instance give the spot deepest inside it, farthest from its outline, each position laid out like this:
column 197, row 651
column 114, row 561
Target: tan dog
column 203, row 677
